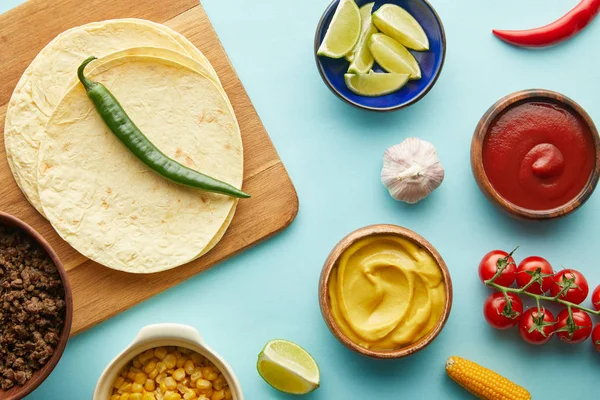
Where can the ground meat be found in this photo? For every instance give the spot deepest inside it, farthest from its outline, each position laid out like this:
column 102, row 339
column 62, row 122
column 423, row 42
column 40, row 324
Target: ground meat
column 32, row 307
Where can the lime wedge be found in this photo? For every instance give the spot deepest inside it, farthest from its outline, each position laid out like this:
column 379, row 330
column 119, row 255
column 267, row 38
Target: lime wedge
column 397, row 23
column 374, row 84
column 393, row 57
column 361, row 59
column 288, row 367
column 343, row 32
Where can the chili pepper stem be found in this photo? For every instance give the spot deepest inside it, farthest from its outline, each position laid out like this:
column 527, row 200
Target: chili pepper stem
column 87, row 84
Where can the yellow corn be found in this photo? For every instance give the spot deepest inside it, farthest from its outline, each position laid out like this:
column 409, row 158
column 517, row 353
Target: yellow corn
column 179, row 374
column 482, row 382
column 160, row 352
column 170, row 373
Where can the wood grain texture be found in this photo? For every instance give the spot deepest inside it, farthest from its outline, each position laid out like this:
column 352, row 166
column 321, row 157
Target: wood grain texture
column 98, row 292
column 330, row 265
column 481, row 131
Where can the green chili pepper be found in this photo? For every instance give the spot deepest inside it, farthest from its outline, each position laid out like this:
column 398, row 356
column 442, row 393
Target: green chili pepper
column 130, row 135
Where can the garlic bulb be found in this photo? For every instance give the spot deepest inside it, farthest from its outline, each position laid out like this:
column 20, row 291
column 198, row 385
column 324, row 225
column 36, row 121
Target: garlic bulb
column 411, row 170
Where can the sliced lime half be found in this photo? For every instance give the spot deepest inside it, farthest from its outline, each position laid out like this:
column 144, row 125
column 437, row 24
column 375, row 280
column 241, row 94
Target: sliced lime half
column 343, row 32
column 361, row 60
column 375, row 84
column 393, row 57
column 288, row 367
column 397, row 23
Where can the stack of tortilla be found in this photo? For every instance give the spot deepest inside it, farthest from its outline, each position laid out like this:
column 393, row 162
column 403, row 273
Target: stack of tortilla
column 101, row 199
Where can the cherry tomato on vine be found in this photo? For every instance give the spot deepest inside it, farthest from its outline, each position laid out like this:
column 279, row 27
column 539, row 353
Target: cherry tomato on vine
column 596, row 298
column 538, row 269
column 575, row 331
column 495, row 260
column 536, row 328
column 576, row 283
column 596, row 337
column 502, row 314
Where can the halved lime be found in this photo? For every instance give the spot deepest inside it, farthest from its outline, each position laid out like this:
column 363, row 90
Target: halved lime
column 397, row 23
column 343, row 32
column 375, row 84
column 360, row 58
column 393, row 57
column 288, row 367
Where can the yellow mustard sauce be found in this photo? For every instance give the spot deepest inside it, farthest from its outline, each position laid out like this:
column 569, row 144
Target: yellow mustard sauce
column 386, row 292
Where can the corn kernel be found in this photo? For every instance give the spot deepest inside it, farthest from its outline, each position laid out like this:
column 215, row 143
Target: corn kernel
column 170, row 382
column 188, row 367
column 203, row 384
column 218, row 395
column 118, row 382
column 131, row 376
column 160, row 352
column 125, row 388
column 134, row 369
column 160, row 378
column 135, row 396
column 148, row 396
column 196, row 375
column 115, row 397
column 174, row 396
column 183, row 350
column 219, row 383
column 163, row 387
column 137, row 363
column 170, row 360
column 161, row 367
column 196, row 358
column 149, row 385
column 179, row 374
column 124, row 396
column 140, row 378
column 185, row 381
column 228, row 395
column 149, row 366
column 145, row 356
column 153, row 374
column 137, row 388
column 209, row 373
column 189, row 394
column 181, row 361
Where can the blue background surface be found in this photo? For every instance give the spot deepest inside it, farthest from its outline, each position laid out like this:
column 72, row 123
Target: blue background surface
column 333, row 153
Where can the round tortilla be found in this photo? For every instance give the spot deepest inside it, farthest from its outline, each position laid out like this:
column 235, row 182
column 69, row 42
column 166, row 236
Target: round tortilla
column 111, row 207
column 107, row 62
column 48, row 76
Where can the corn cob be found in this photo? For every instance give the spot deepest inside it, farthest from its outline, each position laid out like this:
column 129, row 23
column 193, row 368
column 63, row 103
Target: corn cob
column 482, row 382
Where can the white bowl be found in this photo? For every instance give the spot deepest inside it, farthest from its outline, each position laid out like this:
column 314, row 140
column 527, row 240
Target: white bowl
column 157, row 335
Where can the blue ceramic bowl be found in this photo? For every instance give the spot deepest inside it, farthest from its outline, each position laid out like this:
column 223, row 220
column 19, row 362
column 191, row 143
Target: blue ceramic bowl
column 431, row 62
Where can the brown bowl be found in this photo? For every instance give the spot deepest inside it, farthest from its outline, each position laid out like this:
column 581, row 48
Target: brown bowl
column 18, row 392
column 325, row 301
column 482, row 129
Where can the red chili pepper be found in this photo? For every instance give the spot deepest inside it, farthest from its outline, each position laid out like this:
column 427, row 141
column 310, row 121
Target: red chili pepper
column 559, row 30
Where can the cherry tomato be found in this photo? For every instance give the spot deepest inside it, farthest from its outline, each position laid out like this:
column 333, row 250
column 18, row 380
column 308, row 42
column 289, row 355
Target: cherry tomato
column 501, row 314
column 575, row 281
column 494, row 260
column 575, row 331
column 535, row 267
column 596, row 337
column 536, row 328
column 596, row 298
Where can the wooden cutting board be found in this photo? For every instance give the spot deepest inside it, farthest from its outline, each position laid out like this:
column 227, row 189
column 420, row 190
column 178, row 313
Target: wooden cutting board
column 99, row 292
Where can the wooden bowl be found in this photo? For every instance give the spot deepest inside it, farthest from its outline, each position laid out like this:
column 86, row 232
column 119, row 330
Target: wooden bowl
column 330, row 264
column 18, row 392
column 482, row 129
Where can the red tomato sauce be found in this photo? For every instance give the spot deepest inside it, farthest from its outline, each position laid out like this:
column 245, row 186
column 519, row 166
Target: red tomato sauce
column 539, row 155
